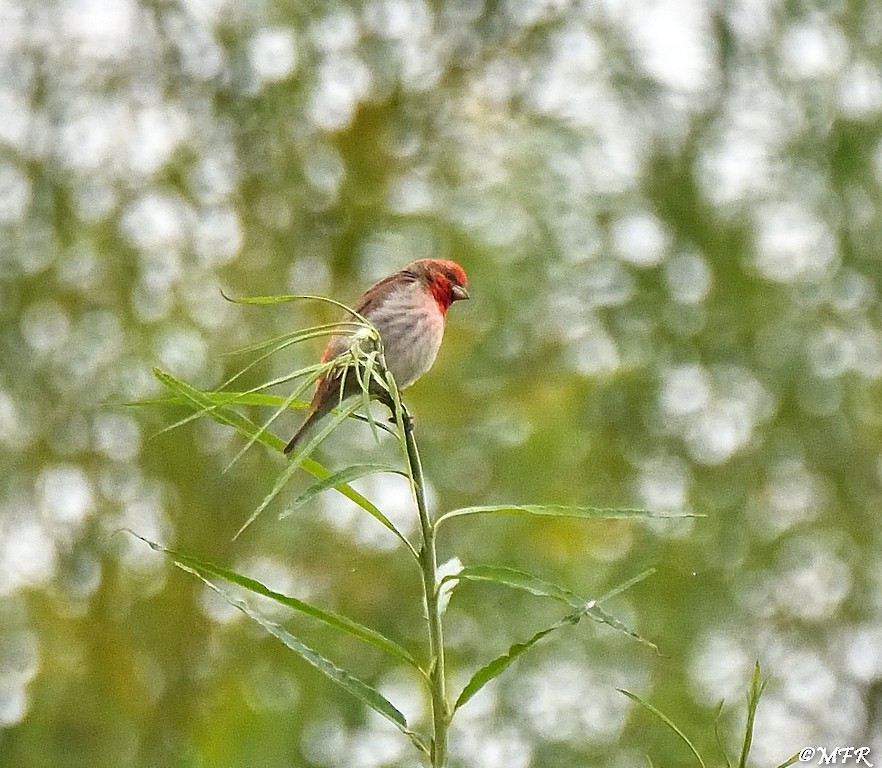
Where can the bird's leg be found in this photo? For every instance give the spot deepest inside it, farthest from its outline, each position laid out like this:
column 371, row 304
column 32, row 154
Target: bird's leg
column 406, row 418
column 386, row 399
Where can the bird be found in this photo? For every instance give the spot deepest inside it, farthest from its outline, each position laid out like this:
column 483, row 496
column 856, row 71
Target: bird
column 408, row 309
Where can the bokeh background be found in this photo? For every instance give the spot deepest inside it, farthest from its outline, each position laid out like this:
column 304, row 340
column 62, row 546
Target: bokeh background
column 670, row 214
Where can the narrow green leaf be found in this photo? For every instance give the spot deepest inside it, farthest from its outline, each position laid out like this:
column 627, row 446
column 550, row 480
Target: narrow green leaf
column 526, row 582
column 346, row 475
column 295, row 463
column 296, row 297
column 496, row 667
column 341, row 391
column 301, row 457
column 313, row 371
column 320, row 471
column 286, row 339
column 249, row 428
column 349, row 682
column 215, row 406
column 666, row 720
column 753, row 696
column 222, row 414
column 206, row 569
column 718, row 716
column 599, row 615
column 366, row 373
column 304, row 385
column 251, row 397
column 553, row 510
column 218, row 397
column 261, row 300
column 625, row 585
column 790, row 761
column 511, row 577
column 232, row 418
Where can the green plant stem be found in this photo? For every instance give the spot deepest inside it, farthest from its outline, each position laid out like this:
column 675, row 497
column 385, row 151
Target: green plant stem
column 429, row 568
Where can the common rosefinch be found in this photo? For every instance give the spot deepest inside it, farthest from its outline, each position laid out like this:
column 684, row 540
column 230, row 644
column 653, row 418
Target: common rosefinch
column 408, row 309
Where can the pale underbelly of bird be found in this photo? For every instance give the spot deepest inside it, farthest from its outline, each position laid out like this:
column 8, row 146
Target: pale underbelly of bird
column 410, row 343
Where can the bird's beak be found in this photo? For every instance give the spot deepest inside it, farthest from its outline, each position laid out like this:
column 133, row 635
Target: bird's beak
column 459, row 293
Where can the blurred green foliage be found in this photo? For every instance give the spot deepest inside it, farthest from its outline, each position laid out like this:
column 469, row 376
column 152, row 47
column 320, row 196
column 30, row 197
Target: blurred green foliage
column 670, row 216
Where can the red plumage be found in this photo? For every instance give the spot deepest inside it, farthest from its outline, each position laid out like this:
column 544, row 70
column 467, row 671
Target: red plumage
column 408, row 309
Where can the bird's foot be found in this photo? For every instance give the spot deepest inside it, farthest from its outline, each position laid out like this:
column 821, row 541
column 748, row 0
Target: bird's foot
column 406, row 420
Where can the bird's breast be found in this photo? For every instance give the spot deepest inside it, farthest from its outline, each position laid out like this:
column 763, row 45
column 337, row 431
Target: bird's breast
column 411, row 329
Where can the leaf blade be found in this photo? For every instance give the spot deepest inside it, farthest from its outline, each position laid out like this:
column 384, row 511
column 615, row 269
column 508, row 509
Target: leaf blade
column 343, row 476
column 558, row 510
column 355, row 686
column 497, row 666
column 206, row 569
column 230, row 417
column 526, row 582
column 295, row 463
column 220, row 413
column 666, row 720
column 757, row 686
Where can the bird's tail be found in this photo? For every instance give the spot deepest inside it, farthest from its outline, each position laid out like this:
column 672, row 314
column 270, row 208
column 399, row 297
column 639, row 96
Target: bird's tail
column 292, row 443
column 322, row 404
column 326, row 397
